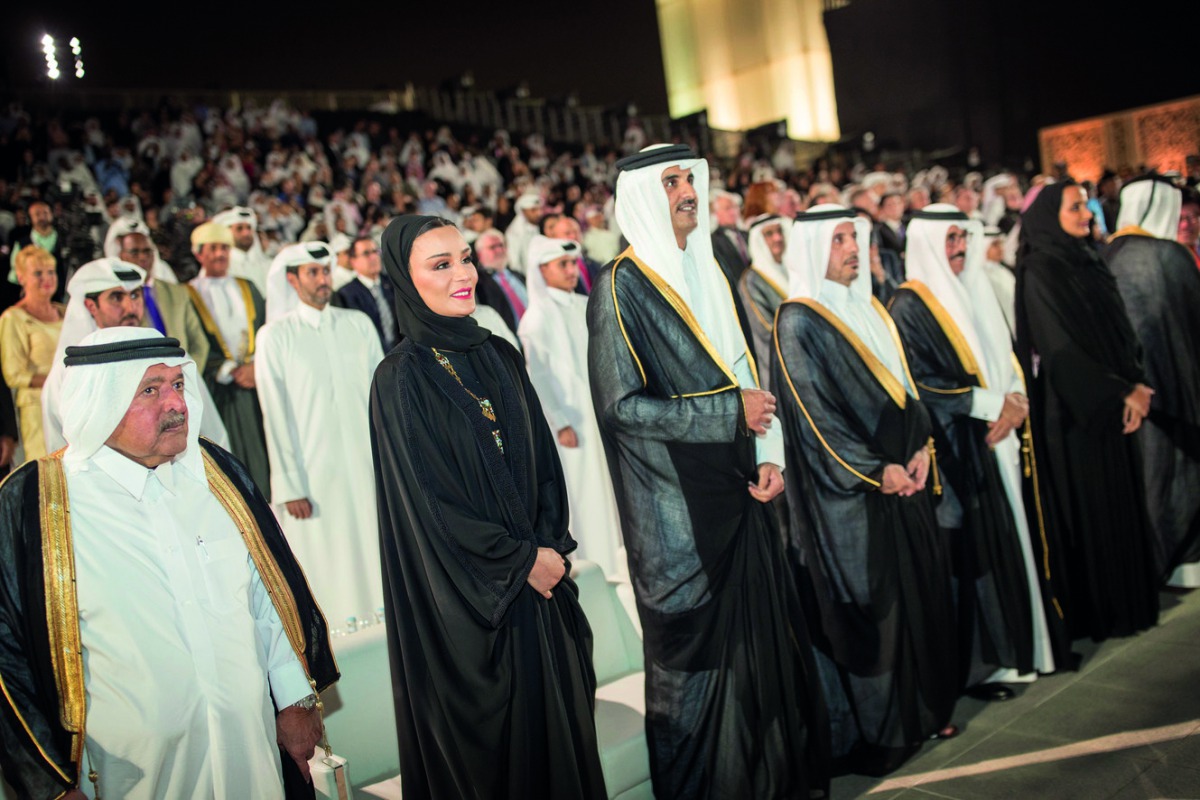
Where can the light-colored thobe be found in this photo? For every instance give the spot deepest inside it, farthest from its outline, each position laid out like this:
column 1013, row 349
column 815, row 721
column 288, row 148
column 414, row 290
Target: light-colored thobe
column 313, row 371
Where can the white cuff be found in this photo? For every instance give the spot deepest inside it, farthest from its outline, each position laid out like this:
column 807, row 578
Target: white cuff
column 769, row 448
column 987, row 403
column 225, row 372
column 289, row 684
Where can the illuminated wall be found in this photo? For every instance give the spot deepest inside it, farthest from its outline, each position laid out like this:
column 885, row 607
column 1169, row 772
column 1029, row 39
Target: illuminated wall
column 1158, row 137
column 750, row 62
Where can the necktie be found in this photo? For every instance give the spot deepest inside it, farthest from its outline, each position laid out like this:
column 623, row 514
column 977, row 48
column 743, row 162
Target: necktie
column 152, row 310
column 513, row 300
column 583, row 276
column 386, row 319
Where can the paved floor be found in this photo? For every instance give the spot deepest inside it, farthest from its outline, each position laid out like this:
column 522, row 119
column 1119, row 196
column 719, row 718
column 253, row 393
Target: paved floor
column 1125, row 726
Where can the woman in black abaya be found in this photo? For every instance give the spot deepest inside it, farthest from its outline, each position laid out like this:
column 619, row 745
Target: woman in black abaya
column 1087, row 402
column 490, row 652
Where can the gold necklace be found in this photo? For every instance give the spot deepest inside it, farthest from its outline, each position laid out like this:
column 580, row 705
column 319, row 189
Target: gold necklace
column 485, row 405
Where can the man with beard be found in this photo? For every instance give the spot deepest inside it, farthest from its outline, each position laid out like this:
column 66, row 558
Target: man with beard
column 247, row 258
column 313, row 372
column 862, row 539
column 960, row 351
column 43, row 233
column 1160, row 285
column 733, row 707
column 763, row 286
column 232, row 311
column 105, row 293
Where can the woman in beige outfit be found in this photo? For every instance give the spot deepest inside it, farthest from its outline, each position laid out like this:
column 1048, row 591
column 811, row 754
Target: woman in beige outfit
column 28, row 336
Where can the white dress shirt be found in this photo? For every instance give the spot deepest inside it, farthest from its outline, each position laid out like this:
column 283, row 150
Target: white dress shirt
column 227, row 304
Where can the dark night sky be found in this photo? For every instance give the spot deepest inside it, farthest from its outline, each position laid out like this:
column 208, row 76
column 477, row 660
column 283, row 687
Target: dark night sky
column 607, row 51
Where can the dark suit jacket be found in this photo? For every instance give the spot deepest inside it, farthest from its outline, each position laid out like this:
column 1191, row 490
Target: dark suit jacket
column 488, row 292
column 727, row 255
column 888, row 239
column 358, row 297
column 593, row 271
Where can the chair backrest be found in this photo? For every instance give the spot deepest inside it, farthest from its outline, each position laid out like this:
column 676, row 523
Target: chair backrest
column 616, row 647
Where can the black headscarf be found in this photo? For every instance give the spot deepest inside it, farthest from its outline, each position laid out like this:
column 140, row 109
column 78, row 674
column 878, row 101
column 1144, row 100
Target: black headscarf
column 413, row 317
column 1041, row 230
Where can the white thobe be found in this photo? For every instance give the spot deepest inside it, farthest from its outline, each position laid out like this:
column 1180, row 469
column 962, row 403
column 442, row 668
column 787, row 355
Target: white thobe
column 226, row 304
column 252, row 264
column 182, row 647
column 314, row 371
column 555, row 336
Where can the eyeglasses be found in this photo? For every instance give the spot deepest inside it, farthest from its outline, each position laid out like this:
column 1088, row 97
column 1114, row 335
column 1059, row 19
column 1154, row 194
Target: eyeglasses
column 955, row 238
column 365, row 253
column 139, row 251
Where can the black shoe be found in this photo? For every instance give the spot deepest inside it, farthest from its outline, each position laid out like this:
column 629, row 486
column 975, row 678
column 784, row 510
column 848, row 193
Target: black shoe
column 948, row 732
column 991, row 692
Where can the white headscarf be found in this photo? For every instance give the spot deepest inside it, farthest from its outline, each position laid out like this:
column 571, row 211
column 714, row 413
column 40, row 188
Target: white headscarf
column 1153, row 204
column 237, row 216
column 968, row 297
column 807, row 255
column 760, row 254
column 95, row 276
column 123, row 226
column 643, row 214
column 95, row 397
column 281, row 297
column 543, row 249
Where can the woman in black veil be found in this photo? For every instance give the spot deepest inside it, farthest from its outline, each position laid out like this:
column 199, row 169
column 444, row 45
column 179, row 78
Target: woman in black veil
column 490, row 651
column 1083, row 364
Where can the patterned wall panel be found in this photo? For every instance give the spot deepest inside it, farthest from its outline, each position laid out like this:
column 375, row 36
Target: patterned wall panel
column 1157, row 137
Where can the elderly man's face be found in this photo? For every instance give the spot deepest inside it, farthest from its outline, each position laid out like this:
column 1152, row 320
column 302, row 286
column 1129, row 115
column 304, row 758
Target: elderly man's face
column 136, row 249
column 680, row 186
column 773, row 235
column 154, row 429
column 956, row 248
column 115, row 308
column 725, row 211
column 843, row 255
column 214, row 259
column 492, row 253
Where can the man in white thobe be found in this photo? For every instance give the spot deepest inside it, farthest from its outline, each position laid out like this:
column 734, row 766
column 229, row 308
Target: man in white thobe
column 314, row 370
column 104, row 293
column 247, row 258
column 199, row 644
column 554, row 334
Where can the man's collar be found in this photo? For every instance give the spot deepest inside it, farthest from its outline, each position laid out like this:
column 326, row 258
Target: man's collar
column 834, row 294
column 370, row 283
column 131, row 475
column 310, row 316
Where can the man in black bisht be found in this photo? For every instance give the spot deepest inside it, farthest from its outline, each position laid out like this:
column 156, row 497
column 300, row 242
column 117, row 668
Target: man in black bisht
column 961, row 356
column 1160, row 285
column 863, row 540
column 733, row 706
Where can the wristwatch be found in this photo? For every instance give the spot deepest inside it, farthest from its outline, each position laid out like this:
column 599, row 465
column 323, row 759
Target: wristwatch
column 307, row 703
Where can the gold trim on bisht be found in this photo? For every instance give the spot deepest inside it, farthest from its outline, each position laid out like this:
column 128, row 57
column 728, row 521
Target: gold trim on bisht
column 890, row 383
column 949, row 327
column 62, row 602
column 210, row 325
column 272, row 578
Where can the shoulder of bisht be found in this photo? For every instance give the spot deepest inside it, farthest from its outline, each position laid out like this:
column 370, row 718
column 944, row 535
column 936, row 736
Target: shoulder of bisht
column 303, row 621
column 38, row 569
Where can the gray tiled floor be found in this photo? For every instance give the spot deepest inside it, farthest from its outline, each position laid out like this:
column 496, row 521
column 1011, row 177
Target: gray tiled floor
column 1144, row 682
